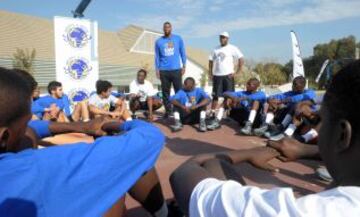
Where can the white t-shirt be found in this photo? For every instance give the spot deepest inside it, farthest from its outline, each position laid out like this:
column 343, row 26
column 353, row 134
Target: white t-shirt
column 103, row 104
column 224, row 58
column 215, row 198
column 144, row 90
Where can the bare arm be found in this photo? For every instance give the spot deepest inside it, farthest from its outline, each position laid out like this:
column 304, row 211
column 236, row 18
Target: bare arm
column 96, row 111
column 291, row 149
column 240, row 65
column 185, row 178
column 210, row 69
column 203, row 103
column 178, row 104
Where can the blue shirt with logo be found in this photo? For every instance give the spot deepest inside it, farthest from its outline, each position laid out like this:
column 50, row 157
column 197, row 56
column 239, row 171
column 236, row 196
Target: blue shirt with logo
column 191, row 98
column 78, row 179
column 296, row 97
column 169, row 53
column 249, row 97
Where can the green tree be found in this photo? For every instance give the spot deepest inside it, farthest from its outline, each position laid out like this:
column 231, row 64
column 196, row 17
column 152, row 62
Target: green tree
column 24, row 59
column 271, row 73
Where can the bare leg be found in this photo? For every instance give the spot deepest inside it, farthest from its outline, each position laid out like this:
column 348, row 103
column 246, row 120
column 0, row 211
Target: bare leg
column 117, row 210
column 153, row 105
column 85, row 113
column 148, row 192
column 76, row 113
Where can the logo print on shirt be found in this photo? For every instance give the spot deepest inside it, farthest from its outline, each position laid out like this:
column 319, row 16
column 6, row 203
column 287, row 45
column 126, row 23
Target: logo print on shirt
column 169, row 49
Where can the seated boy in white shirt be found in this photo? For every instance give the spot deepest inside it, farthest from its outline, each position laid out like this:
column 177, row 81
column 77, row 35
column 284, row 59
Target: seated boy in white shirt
column 143, row 95
column 100, row 103
column 200, row 194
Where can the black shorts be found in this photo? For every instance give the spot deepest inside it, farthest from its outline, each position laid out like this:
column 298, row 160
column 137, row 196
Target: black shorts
column 192, row 118
column 241, row 115
column 222, row 84
column 143, row 105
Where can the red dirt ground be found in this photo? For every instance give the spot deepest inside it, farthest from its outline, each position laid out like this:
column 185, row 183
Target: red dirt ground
column 189, row 142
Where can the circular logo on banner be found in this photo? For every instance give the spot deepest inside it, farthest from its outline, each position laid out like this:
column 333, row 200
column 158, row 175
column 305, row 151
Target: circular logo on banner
column 78, row 68
column 77, row 36
column 77, row 95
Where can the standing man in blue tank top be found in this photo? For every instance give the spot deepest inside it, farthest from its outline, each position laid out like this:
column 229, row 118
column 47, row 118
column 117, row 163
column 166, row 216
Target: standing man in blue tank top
column 170, row 63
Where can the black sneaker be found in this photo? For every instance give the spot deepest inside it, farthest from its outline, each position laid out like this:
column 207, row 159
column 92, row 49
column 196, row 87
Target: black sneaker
column 214, row 125
column 174, row 210
column 274, row 130
column 202, row 126
column 247, row 129
column 261, row 130
column 177, row 126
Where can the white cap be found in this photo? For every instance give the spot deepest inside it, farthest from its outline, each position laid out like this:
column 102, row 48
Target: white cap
column 226, row 34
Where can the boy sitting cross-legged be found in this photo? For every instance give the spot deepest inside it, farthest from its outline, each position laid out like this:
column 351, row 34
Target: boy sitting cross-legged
column 190, row 106
column 244, row 106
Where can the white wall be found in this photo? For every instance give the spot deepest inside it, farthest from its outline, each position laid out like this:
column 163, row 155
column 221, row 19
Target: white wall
column 193, row 70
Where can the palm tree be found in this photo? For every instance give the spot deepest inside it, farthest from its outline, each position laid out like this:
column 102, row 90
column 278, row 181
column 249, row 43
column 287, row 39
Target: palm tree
column 24, row 59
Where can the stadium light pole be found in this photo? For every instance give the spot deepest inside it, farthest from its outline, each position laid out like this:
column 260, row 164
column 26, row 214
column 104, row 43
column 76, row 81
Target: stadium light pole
column 81, row 8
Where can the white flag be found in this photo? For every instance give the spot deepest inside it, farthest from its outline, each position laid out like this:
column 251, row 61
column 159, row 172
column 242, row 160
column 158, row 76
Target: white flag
column 298, row 66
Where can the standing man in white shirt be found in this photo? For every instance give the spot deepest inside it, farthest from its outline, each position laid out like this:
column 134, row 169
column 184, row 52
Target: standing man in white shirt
column 203, row 188
column 143, row 96
column 221, row 69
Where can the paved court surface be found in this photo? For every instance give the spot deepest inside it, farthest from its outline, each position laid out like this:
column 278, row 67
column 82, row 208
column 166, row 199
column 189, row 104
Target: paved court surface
column 189, row 142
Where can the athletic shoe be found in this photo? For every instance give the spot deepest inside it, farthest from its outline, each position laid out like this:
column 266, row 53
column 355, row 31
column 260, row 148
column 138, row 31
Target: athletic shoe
column 277, row 137
column 202, row 126
column 247, row 129
column 261, row 130
column 177, row 126
column 274, row 130
column 214, row 125
column 324, row 174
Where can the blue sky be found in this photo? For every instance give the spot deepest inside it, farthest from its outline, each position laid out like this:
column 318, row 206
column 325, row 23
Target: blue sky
column 259, row 27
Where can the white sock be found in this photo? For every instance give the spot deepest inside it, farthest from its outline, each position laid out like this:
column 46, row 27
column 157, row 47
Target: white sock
column 312, row 134
column 269, row 118
column 287, row 120
column 129, row 119
column 290, row 130
column 86, row 120
column 252, row 116
column 177, row 116
column 162, row 212
column 202, row 115
column 220, row 114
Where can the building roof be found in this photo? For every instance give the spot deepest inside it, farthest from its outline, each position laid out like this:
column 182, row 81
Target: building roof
column 116, row 62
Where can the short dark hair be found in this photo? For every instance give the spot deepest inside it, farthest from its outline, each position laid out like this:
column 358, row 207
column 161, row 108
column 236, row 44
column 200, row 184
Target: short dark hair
column 300, row 79
column 342, row 98
column 255, row 80
column 27, row 77
column 143, row 71
column 53, row 85
column 102, row 86
column 189, row 79
column 15, row 96
column 167, row 23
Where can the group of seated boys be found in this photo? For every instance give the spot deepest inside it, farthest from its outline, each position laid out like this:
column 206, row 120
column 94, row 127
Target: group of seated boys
column 85, row 179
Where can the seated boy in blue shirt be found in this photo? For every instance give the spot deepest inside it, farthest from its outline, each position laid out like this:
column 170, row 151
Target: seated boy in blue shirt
column 244, row 106
column 73, row 180
column 56, row 106
column 190, row 106
column 281, row 107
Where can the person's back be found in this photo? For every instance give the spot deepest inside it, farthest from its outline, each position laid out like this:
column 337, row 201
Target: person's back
column 71, row 180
